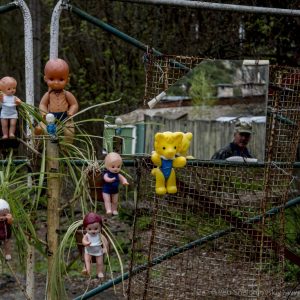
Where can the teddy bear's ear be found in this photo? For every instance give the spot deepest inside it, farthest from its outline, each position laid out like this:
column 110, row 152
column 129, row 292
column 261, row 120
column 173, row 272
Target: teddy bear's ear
column 159, row 137
column 189, row 136
column 178, row 136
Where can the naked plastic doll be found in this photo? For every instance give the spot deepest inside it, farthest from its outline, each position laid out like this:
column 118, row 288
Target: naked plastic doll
column 112, row 179
column 9, row 114
column 57, row 100
column 5, row 228
column 95, row 244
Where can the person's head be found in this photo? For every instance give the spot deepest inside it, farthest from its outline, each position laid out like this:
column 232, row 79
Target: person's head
column 113, row 162
column 242, row 134
column 56, row 74
column 4, row 208
column 8, row 85
column 92, row 223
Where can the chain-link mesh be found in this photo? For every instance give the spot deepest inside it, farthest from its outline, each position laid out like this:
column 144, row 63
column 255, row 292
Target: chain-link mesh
column 216, row 238
column 163, row 71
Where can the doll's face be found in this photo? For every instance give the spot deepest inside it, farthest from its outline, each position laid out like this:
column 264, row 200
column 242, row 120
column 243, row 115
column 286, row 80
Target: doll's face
column 9, row 87
column 56, row 79
column 93, row 229
column 3, row 214
column 114, row 166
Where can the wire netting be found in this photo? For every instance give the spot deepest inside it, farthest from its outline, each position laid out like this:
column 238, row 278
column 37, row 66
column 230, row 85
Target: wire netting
column 215, row 238
column 163, row 71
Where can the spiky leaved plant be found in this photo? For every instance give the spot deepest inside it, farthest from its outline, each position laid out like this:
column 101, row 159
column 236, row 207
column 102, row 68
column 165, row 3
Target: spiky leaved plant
column 76, row 160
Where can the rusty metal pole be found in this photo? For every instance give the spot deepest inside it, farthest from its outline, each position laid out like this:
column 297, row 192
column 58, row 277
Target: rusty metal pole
column 53, row 184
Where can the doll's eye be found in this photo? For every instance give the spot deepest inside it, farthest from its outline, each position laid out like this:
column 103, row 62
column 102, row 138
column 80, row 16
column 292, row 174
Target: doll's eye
column 61, row 79
column 113, row 167
column 164, row 148
column 174, row 147
column 119, row 167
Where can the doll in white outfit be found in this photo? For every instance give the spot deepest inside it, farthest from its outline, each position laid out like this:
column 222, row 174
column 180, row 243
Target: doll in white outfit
column 9, row 114
column 95, row 244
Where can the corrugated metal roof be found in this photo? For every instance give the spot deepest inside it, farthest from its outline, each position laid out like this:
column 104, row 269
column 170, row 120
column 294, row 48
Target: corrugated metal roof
column 218, row 112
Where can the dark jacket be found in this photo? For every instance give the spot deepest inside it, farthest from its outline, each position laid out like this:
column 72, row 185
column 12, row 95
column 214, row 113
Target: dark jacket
column 231, row 150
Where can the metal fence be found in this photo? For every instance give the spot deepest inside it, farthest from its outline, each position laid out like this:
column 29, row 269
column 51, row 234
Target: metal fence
column 217, row 232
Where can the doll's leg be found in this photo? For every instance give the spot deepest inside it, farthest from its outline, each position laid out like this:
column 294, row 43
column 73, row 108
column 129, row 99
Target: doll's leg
column 171, row 183
column 107, row 203
column 40, row 129
column 114, row 204
column 87, row 261
column 69, row 131
column 12, row 127
column 160, row 188
column 7, row 252
column 99, row 266
column 4, row 124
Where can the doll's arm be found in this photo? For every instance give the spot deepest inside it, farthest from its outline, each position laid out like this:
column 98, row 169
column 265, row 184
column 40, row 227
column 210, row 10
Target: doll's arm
column 44, row 104
column 85, row 241
column 108, row 179
column 105, row 243
column 155, row 157
column 123, row 180
column 179, row 162
column 9, row 219
column 18, row 101
column 73, row 104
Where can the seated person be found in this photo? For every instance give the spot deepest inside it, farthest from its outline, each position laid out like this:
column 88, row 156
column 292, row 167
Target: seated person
column 238, row 147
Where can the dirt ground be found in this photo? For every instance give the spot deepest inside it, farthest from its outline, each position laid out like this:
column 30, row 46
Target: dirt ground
column 10, row 289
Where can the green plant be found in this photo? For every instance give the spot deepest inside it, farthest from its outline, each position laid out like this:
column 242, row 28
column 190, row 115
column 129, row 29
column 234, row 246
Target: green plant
column 77, row 161
column 143, row 223
column 23, row 199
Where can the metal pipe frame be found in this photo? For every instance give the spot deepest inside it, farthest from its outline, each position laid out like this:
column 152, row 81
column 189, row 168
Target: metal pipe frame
column 8, row 7
column 221, row 6
column 28, row 46
column 54, row 29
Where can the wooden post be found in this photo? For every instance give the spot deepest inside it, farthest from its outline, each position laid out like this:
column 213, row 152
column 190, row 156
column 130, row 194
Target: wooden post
column 30, row 261
column 30, row 278
column 53, row 184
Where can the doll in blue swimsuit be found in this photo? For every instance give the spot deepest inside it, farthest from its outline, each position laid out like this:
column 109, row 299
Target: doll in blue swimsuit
column 112, row 179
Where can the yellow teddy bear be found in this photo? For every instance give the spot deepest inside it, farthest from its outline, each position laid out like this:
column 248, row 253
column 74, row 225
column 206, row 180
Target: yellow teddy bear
column 185, row 145
column 166, row 145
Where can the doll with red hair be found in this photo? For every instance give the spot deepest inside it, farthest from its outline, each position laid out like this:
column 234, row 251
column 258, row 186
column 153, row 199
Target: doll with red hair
column 95, row 244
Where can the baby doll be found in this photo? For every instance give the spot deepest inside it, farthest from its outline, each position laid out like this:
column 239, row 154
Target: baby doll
column 58, row 101
column 94, row 243
column 5, row 227
column 112, row 178
column 9, row 114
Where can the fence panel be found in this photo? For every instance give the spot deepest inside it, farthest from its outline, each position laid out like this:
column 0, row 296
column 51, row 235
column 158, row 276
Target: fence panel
column 208, row 136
